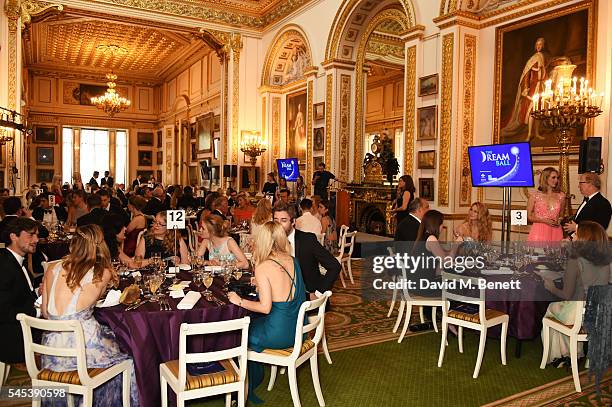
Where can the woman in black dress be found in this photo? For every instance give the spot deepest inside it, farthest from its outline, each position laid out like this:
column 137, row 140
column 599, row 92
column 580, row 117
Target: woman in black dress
column 270, row 186
column 405, row 195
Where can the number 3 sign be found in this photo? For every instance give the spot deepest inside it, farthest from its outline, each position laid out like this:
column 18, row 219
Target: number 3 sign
column 518, row 217
column 175, row 219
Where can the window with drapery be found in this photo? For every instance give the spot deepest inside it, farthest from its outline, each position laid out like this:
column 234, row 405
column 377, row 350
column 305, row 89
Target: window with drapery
column 95, row 152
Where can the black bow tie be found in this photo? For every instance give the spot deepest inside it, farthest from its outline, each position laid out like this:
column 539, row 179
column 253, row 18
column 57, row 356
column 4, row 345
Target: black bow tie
column 48, row 211
column 586, row 199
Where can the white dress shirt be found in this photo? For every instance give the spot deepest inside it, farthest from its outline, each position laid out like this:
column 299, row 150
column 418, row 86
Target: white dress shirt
column 25, row 271
column 50, row 217
column 291, row 239
column 416, row 217
column 308, row 223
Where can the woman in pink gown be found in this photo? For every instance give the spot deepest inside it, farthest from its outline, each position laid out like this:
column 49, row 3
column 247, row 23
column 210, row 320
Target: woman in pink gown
column 545, row 207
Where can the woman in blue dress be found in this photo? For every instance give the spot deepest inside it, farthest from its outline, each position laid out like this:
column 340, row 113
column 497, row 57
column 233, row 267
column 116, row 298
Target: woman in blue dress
column 72, row 288
column 281, row 293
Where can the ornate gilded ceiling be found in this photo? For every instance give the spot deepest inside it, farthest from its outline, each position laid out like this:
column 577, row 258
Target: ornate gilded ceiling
column 82, row 45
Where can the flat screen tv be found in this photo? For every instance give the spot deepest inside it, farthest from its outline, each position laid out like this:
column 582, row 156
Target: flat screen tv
column 288, row 168
column 501, row 165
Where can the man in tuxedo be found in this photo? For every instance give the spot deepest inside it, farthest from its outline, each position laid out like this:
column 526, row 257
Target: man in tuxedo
column 12, row 210
column 308, row 251
column 107, row 180
column 408, row 229
column 137, row 182
column 93, row 182
column 110, row 204
column 220, row 207
column 17, row 293
column 155, row 204
column 96, row 213
column 47, row 213
column 595, row 207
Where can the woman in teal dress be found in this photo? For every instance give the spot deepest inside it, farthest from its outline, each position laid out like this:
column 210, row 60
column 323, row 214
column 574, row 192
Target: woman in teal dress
column 281, row 293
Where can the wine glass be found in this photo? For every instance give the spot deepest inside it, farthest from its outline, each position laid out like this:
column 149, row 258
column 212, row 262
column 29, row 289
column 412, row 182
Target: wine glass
column 227, row 276
column 208, row 280
column 237, row 274
column 197, row 278
column 138, row 261
column 154, row 282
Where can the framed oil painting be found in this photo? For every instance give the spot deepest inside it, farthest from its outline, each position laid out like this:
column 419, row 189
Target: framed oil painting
column 319, row 111
column 426, row 188
column 44, row 155
column 428, row 85
column 427, row 123
column 45, row 175
column 146, row 175
column 160, row 158
column 145, row 158
column 319, row 139
column 296, row 125
column 159, row 139
column 216, row 144
column 145, row 139
column 554, row 45
column 205, row 133
column 45, row 135
column 427, row 159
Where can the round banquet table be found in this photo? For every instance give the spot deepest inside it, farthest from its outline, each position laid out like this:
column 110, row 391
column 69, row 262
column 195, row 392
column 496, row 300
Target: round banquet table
column 55, row 249
column 151, row 336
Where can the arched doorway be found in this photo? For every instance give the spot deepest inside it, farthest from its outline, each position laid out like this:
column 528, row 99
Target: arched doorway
column 361, row 27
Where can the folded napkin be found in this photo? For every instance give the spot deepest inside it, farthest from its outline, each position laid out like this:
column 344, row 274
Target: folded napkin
column 501, row 270
column 173, row 270
column 213, row 268
column 112, row 298
column 136, row 274
column 190, row 300
column 548, row 274
column 177, row 293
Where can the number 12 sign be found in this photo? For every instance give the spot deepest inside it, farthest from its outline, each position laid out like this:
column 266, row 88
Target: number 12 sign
column 175, row 219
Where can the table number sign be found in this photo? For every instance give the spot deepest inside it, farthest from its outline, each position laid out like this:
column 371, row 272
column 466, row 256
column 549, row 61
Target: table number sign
column 518, row 217
column 51, row 200
column 175, row 219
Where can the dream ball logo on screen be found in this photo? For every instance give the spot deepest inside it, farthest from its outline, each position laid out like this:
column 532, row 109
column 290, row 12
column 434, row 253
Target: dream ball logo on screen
column 288, row 169
column 501, row 161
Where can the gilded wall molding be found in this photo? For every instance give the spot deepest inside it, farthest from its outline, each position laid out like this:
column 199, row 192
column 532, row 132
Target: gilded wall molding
column 410, row 106
column 448, row 46
column 469, row 77
column 345, row 127
column 224, row 120
column 309, row 150
column 276, row 114
column 329, row 93
column 264, row 134
column 235, row 105
column 345, row 11
column 387, row 14
column 217, row 15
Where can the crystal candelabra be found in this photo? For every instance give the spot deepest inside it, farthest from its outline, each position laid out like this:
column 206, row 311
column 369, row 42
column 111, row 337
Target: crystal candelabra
column 111, row 103
column 253, row 145
column 566, row 107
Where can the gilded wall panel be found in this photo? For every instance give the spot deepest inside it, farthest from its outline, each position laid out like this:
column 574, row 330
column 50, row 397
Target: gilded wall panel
column 409, row 104
column 328, row 119
column 276, row 113
column 448, row 43
column 309, row 169
column 345, row 126
column 469, row 74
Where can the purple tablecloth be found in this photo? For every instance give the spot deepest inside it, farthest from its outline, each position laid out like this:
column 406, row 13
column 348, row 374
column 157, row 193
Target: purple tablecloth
column 151, row 336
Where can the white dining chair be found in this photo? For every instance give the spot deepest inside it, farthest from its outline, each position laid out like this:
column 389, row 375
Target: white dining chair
column 231, row 379
column 574, row 332
column 5, row 368
column 480, row 321
column 81, row 381
column 345, row 257
column 191, row 239
column 302, row 350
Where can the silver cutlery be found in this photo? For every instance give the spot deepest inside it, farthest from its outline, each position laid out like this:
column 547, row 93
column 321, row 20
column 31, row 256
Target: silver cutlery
column 129, row 307
column 138, row 305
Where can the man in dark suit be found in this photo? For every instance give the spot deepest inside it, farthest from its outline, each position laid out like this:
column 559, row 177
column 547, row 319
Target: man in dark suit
column 46, row 213
column 112, row 205
column 17, row 294
column 308, row 251
column 93, row 182
column 96, row 213
column 107, row 180
column 155, row 204
column 408, row 229
column 137, row 182
column 595, row 207
column 13, row 209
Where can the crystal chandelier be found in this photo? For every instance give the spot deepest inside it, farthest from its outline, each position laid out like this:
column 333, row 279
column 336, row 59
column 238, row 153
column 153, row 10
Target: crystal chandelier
column 252, row 145
column 111, row 103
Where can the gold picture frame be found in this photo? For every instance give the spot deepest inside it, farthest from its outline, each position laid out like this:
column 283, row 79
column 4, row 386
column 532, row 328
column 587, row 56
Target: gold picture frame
column 428, row 85
column 427, row 159
column 569, row 38
column 427, row 123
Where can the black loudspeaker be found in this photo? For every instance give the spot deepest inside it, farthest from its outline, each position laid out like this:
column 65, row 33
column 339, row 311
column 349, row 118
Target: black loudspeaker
column 590, row 155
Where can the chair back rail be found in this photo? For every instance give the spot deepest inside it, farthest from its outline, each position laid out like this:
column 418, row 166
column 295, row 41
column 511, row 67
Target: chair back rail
column 314, row 323
column 473, row 282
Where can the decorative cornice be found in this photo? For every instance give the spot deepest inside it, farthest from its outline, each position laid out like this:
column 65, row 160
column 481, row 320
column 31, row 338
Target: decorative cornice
column 339, row 64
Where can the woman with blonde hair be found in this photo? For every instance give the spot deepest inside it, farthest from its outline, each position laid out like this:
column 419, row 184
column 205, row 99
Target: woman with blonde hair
column 219, row 245
column 71, row 289
column 163, row 241
column 588, row 265
column 281, row 293
column 544, row 208
column 77, row 182
column 263, row 214
column 478, row 225
column 56, row 189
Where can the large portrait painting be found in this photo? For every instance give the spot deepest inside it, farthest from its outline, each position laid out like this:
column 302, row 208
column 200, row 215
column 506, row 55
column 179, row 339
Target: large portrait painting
column 296, row 125
column 552, row 46
column 205, row 133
